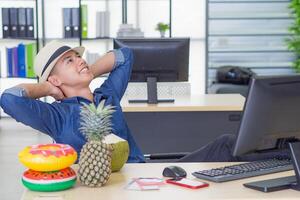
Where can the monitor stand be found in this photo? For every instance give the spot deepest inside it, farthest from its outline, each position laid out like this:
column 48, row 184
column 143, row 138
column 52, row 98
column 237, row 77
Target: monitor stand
column 295, row 152
column 290, row 182
column 152, row 94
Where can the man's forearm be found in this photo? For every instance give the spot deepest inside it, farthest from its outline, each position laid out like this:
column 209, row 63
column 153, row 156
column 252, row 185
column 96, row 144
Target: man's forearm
column 35, row 90
column 103, row 65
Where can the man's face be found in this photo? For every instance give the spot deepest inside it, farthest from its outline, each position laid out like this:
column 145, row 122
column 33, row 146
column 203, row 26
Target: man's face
column 72, row 70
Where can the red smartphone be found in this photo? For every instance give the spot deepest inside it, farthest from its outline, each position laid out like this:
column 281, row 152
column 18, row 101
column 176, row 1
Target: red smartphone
column 184, row 182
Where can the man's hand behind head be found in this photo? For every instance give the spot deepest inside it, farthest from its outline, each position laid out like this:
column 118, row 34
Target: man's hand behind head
column 54, row 91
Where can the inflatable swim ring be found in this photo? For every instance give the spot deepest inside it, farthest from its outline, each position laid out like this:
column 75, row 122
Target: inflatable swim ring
column 49, row 181
column 48, row 157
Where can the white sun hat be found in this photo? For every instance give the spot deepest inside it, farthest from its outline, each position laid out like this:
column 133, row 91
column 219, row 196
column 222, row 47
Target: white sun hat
column 47, row 57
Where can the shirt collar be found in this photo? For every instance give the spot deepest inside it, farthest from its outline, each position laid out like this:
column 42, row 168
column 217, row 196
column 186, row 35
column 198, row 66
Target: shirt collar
column 97, row 98
column 76, row 100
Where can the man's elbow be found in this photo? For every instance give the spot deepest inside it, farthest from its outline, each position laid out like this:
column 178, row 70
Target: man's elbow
column 4, row 102
column 127, row 52
column 11, row 100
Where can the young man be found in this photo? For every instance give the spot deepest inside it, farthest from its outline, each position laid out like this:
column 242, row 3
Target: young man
column 64, row 75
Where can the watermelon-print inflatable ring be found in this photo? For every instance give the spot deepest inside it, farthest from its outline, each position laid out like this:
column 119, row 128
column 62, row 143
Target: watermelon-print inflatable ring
column 48, row 157
column 49, row 181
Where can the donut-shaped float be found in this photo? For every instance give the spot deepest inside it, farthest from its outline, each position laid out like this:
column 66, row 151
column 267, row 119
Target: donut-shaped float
column 48, row 157
column 49, row 181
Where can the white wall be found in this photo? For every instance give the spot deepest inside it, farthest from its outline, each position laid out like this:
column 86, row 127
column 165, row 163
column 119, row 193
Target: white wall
column 188, row 21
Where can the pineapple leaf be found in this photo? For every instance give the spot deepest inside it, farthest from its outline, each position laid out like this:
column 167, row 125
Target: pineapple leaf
column 100, row 106
column 96, row 121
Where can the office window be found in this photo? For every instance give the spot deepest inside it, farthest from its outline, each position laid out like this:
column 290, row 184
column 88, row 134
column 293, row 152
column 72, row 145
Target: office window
column 188, row 20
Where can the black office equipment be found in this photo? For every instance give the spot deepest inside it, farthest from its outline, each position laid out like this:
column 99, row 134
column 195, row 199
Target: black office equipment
column 270, row 116
column 67, row 19
column 272, row 185
column 295, row 151
column 174, row 172
column 13, row 18
column 5, row 23
column 163, row 60
column 234, row 75
column 29, row 23
column 245, row 170
column 22, row 22
column 289, row 182
column 75, row 22
column 269, row 121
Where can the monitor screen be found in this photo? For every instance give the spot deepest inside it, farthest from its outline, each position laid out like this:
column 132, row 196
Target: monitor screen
column 271, row 114
column 166, row 59
column 157, row 60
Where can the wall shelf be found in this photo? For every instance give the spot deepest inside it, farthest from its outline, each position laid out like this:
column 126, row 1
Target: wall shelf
column 98, row 38
column 245, row 17
column 248, row 1
column 18, row 38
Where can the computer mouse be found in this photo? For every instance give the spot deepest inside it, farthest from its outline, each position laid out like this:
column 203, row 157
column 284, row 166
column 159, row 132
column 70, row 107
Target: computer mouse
column 174, row 172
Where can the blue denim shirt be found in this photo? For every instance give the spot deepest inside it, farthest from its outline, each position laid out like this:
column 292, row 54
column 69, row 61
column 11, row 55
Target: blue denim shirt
column 61, row 120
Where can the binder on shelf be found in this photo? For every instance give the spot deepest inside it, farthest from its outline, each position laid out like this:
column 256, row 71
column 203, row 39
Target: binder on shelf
column 15, row 62
column 0, row 66
column 84, row 21
column 102, row 24
column 67, row 19
column 29, row 23
column 9, row 62
column 13, row 18
column 75, row 22
column 5, row 23
column 30, row 55
column 22, row 22
column 21, row 61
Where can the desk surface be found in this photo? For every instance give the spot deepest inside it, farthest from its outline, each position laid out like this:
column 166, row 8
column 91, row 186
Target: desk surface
column 207, row 102
column 114, row 189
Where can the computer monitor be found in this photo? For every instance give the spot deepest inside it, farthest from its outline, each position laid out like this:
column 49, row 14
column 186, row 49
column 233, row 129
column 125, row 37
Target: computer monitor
column 157, row 60
column 271, row 114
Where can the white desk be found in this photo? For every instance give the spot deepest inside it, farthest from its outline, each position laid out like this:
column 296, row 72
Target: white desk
column 185, row 125
column 114, row 189
column 206, row 102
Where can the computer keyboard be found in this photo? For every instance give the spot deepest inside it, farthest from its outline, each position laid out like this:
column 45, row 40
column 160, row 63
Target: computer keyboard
column 244, row 170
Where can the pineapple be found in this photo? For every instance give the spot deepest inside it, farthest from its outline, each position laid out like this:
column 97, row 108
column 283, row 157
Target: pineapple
column 95, row 156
